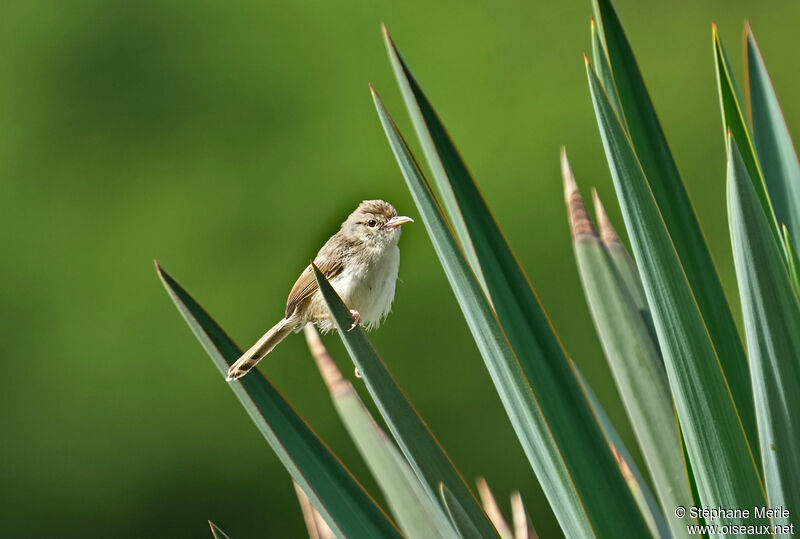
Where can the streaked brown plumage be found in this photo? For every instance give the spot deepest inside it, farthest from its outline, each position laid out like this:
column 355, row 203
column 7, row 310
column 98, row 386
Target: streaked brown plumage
column 361, row 261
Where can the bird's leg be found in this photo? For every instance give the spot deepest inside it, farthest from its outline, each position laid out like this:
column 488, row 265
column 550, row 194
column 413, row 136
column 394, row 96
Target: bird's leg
column 356, row 319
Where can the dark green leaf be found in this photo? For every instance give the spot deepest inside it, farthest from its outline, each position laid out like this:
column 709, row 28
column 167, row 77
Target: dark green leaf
column 426, row 456
column 528, row 328
column 733, row 121
column 217, row 532
column 445, row 191
column 340, row 499
column 642, row 493
column 530, row 425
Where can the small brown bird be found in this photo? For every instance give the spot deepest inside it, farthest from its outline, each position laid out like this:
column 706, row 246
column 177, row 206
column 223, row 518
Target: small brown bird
column 361, row 262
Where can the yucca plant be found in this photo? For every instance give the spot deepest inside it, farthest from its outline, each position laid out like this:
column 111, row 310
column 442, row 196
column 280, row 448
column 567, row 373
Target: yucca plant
column 714, row 416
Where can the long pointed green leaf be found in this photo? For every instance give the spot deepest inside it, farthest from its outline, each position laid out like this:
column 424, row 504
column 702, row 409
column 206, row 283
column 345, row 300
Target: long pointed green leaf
column 633, row 358
column 600, row 56
column 527, row 327
column 733, row 120
column 721, row 459
column 794, row 262
column 625, row 266
column 445, row 191
column 458, row 516
column 661, row 172
column 773, row 144
column 772, row 326
column 335, row 493
column 217, row 532
column 426, row 456
column 417, row 514
column 644, row 497
column 530, row 424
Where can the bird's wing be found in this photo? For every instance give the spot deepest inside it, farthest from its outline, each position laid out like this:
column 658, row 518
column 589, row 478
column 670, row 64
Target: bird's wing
column 306, row 284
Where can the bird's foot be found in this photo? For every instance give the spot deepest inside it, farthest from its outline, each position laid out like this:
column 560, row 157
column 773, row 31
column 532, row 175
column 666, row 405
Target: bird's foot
column 358, row 373
column 356, row 319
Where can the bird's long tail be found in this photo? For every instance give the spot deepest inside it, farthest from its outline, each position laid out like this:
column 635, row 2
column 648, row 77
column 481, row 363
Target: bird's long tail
column 260, row 349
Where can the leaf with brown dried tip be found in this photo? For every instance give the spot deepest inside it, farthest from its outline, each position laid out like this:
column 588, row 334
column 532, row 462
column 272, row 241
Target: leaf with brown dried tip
column 640, row 122
column 417, row 514
column 624, row 264
column 634, row 484
column 710, row 421
column 607, row 231
column 217, row 532
column 523, row 529
column 582, row 227
column 535, row 424
column 634, row 361
column 331, row 374
column 316, row 525
column 492, row 509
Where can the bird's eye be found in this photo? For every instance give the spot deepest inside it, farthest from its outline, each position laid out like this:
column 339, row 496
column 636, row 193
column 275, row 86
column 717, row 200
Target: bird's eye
column 372, row 222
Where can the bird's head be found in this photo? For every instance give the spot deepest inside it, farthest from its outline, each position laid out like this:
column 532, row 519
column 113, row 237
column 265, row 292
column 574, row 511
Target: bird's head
column 375, row 223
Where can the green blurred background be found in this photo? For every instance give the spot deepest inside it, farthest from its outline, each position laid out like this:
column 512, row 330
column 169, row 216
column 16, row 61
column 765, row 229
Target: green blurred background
column 229, row 140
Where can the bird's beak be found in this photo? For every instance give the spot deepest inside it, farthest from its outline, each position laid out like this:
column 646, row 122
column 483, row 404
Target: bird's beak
column 394, row 222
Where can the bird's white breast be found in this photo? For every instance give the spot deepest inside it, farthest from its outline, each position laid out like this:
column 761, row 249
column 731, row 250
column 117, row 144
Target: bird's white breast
column 368, row 287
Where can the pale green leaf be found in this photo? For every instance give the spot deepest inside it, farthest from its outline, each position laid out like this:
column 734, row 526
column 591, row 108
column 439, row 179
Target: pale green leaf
column 721, row 458
column 772, row 326
column 417, row 514
column 625, row 266
column 633, row 358
column 772, row 141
